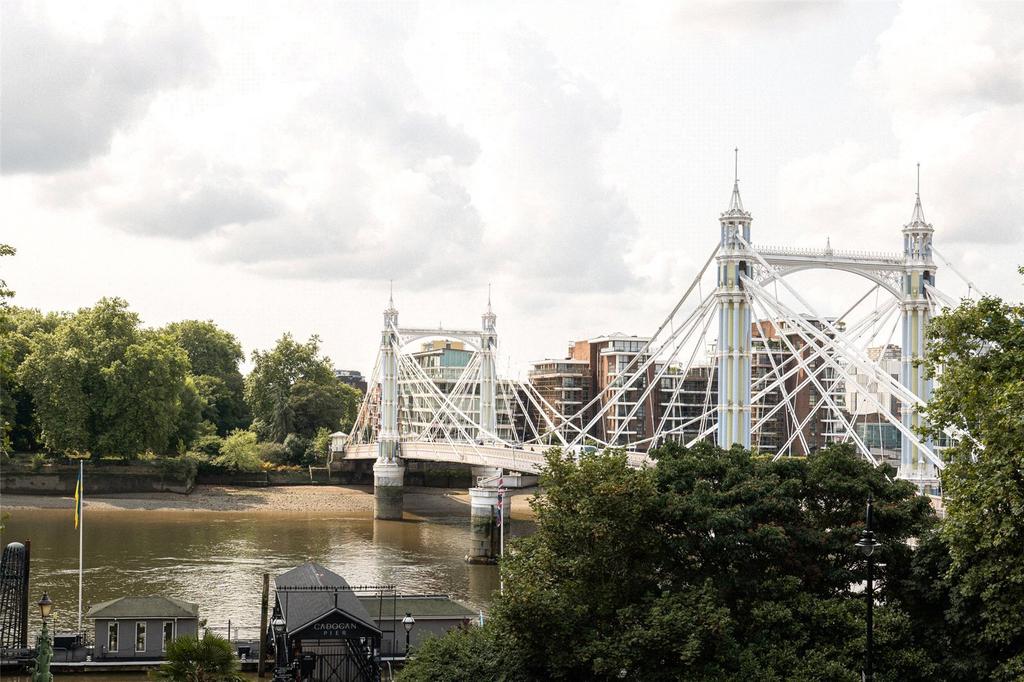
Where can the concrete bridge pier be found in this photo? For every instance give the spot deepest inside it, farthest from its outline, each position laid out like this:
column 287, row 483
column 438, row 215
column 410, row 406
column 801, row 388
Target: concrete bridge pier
column 388, row 490
column 485, row 535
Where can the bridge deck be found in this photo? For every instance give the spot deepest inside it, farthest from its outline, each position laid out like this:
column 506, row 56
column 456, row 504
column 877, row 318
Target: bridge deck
column 528, row 460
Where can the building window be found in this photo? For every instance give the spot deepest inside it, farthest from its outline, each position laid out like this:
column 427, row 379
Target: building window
column 112, row 636
column 168, row 634
column 140, row 636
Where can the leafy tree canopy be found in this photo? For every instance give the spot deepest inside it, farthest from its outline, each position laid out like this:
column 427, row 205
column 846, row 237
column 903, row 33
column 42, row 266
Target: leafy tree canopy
column 214, row 356
column 292, row 389
column 714, row 565
column 17, row 328
column 101, row 383
column 980, row 348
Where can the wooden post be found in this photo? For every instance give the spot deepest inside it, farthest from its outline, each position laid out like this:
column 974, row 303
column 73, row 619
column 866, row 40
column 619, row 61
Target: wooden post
column 264, row 604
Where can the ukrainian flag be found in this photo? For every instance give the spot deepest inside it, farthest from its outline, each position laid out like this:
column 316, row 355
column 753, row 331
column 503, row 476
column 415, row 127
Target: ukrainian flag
column 78, row 496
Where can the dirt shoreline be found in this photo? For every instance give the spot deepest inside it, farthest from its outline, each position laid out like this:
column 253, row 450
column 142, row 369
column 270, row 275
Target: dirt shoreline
column 298, row 499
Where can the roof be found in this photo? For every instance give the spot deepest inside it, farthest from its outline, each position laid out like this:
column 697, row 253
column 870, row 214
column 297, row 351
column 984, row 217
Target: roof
column 419, row 605
column 302, row 603
column 153, row 606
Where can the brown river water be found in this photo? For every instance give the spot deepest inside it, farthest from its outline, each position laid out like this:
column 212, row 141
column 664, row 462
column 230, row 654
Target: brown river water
column 216, row 559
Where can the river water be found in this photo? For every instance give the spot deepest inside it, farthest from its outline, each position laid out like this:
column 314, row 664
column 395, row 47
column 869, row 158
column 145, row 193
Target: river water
column 216, row 559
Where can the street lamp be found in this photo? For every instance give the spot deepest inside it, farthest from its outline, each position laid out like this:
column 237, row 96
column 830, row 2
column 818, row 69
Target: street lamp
column 408, row 622
column 44, row 647
column 867, row 546
column 277, row 624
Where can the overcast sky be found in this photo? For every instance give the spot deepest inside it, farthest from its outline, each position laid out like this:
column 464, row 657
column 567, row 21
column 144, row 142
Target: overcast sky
column 272, row 166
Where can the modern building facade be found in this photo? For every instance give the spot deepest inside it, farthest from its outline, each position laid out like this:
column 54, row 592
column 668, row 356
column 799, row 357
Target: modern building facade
column 565, row 387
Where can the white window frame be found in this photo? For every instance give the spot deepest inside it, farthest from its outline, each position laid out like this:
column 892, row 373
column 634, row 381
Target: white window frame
column 117, row 635
column 144, row 634
column 163, row 634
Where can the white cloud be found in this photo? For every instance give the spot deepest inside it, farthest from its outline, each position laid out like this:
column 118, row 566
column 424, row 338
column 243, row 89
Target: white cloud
column 65, row 97
column 951, row 76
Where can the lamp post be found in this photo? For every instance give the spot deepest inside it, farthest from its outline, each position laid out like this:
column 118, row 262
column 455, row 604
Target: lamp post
column 44, row 647
column 277, row 624
column 408, row 622
column 867, row 545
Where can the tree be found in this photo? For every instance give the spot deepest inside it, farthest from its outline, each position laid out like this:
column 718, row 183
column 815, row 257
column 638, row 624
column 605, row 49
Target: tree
column 979, row 347
column 292, row 389
column 18, row 326
column 713, row 565
column 100, row 383
column 207, row 659
column 214, row 356
column 239, row 452
column 465, row 654
column 7, row 366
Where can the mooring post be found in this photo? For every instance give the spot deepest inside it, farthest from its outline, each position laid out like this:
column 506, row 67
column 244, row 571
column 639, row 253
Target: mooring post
column 264, row 605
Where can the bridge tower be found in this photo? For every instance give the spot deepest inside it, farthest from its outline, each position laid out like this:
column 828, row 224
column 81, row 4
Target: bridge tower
column 918, row 275
column 734, row 328
column 388, row 470
column 488, row 374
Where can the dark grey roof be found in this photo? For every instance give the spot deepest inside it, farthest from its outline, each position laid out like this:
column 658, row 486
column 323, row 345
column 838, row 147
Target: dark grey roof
column 153, row 606
column 302, row 603
column 418, row 605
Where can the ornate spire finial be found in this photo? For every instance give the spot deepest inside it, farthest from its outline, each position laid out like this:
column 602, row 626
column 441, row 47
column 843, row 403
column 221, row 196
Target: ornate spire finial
column 488, row 297
column 735, row 214
column 917, row 218
column 391, row 293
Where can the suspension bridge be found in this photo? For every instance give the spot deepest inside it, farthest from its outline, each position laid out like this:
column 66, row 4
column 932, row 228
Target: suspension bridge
column 770, row 350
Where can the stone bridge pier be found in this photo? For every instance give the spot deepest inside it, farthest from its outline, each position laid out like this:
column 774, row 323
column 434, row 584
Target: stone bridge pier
column 388, row 490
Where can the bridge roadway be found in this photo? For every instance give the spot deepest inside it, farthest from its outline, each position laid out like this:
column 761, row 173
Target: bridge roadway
column 526, row 459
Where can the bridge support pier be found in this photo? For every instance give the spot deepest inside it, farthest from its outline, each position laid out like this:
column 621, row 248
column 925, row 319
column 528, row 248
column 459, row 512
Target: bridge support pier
column 388, row 490
column 485, row 534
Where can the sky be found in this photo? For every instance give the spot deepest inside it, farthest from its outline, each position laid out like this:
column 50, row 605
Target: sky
column 276, row 166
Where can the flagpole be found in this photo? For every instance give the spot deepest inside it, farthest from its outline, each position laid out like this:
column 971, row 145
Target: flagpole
column 81, row 528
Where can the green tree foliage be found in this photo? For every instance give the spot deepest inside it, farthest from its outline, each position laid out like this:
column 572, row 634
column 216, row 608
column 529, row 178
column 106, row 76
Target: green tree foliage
column 239, row 452
column 463, row 655
column 214, row 356
column 714, row 565
column 18, row 326
column 101, row 383
column 7, row 366
column 980, row 348
column 191, row 659
column 292, row 389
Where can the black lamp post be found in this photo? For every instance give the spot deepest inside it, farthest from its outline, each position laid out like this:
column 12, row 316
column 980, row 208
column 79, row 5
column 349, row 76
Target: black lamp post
column 867, row 545
column 408, row 622
column 277, row 624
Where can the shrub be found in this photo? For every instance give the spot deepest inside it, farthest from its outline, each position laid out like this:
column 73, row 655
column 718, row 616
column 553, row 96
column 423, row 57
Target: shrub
column 296, row 446
column 208, row 444
column 273, row 453
column 182, row 465
column 239, row 452
column 320, row 446
column 38, row 461
column 210, row 659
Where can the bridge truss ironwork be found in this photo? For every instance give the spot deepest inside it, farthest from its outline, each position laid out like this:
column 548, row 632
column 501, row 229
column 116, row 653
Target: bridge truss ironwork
column 759, row 340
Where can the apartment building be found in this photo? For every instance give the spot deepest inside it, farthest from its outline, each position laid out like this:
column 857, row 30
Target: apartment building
column 445, row 363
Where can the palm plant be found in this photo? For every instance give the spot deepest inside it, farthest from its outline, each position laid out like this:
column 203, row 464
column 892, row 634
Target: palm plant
column 191, row 659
